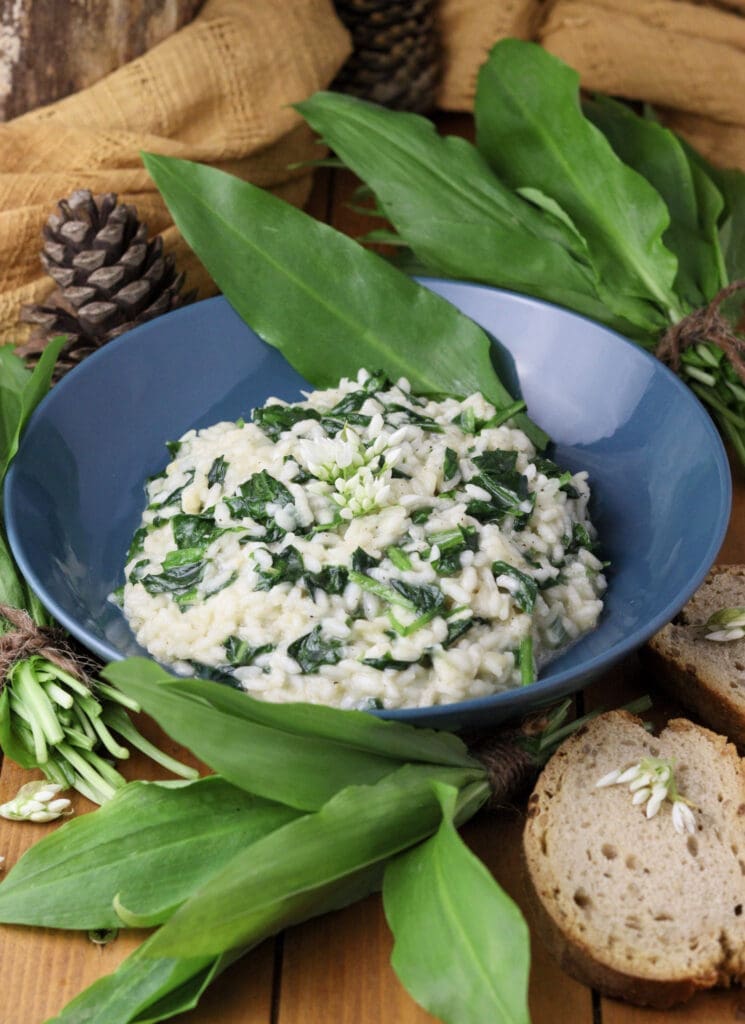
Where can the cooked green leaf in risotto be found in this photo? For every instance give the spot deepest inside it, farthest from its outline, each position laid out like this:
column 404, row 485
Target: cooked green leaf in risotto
column 365, row 548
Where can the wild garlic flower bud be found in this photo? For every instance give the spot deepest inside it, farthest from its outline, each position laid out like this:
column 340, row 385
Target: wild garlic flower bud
column 36, row 801
column 651, row 782
column 726, row 624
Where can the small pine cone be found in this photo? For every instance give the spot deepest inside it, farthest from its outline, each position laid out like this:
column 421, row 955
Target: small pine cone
column 109, row 278
column 396, row 56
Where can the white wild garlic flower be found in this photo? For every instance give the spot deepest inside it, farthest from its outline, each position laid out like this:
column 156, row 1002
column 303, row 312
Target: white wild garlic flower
column 36, row 801
column 651, row 782
column 358, row 472
column 726, row 624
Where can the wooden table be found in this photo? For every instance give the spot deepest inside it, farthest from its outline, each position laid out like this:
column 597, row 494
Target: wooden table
column 335, row 970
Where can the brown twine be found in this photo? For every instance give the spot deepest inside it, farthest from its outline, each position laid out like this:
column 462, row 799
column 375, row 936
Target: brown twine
column 706, row 324
column 27, row 639
column 510, row 768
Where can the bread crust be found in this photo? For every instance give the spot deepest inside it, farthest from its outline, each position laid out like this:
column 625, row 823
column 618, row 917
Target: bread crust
column 685, row 675
column 684, row 683
column 578, row 960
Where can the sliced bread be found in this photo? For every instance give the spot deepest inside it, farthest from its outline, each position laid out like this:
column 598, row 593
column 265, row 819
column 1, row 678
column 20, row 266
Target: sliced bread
column 626, row 903
column 706, row 676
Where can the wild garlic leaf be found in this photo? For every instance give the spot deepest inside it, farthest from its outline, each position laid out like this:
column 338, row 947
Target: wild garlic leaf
column 264, row 255
column 239, row 653
column 287, row 567
column 424, row 597
column 314, row 649
column 462, row 948
column 177, row 579
column 274, row 419
column 507, row 487
column 144, row 989
column 452, row 544
column 522, row 587
column 332, row 579
column 450, row 208
column 323, row 748
column 21, row 392
column 531, row 130
column 149, row 847
column 307, row 867
column 731, row 186
column 260, row 490
column 191, row 531
column 691, row 197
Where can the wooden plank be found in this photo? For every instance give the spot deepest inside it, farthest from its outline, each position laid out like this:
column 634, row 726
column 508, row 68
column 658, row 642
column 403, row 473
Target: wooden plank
column 336, row 969
column 706, row 1008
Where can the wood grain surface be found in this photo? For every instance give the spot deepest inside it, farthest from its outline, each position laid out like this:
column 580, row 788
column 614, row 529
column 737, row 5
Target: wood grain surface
column 335, row 970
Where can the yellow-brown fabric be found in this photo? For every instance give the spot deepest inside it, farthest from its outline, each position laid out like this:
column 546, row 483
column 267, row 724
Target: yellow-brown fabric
column 468, row 29
column 217, row 91
column 688, row 59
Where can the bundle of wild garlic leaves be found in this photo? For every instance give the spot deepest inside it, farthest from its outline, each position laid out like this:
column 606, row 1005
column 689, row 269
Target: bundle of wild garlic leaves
column 52, row 717
column 590, row 206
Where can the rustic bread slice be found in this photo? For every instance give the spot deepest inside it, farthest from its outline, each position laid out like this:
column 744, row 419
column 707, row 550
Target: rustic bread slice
column 706, row 676
column 627, row 904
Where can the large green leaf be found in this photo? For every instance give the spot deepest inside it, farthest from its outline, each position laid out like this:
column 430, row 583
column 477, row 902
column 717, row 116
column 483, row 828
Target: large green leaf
column 296, row 754
column 12, row 587
column 531, row 129
column 353, row 728
column 20, row 393
column 313, row 864
column 461, row 945
column 147, row 849
column 731, row 185
column 451, row 209
column 327, row 303
column 691, row 197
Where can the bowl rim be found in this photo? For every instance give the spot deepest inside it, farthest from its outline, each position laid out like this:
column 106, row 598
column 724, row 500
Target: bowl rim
column 544, row 691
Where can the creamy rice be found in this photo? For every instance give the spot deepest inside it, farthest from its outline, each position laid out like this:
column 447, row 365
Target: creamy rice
column 364, row 548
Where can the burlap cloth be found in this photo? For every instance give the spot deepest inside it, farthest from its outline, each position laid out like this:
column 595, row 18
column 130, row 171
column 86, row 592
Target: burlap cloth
column 216, row 91
column 688, row 59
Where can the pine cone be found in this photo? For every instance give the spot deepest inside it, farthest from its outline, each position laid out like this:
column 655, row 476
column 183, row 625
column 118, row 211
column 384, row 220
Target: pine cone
column 109, row 278
column 396, row 59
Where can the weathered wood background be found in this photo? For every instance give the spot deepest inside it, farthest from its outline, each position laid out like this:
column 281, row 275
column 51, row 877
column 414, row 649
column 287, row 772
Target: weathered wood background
column 51, row 48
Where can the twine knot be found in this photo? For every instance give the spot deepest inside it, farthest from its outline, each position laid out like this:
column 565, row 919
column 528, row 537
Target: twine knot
column 27, row 639
column 510, row 768
column 706, row 324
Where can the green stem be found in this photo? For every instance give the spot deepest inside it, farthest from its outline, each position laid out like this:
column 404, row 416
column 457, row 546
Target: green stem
column 108, row 741
column 120, row 722
column 720, row 407
column 736, row 439
column 112, row 694
column 35, row 700
column 87, row 771
column 78, row 738
column 56, row 693
column 527, row 665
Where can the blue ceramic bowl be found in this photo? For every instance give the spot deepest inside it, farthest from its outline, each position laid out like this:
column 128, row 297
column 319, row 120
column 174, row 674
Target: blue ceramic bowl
column 658, row 471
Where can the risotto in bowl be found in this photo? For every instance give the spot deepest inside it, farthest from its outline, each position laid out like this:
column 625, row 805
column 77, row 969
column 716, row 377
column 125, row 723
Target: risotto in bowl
column 366, row 547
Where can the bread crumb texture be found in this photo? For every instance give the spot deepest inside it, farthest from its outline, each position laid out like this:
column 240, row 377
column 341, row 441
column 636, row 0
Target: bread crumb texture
column 626, row 903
